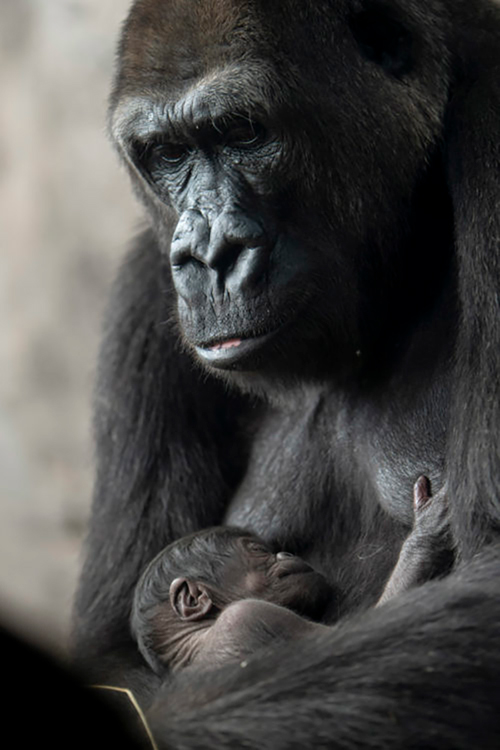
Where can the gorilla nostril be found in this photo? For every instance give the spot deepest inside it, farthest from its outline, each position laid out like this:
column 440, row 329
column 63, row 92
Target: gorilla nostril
column 192, row 260
column 227, row 260
column 190, row 239
column 179, row 254
column 182, row 255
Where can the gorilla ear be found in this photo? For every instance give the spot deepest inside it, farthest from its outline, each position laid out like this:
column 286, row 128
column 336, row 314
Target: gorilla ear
column 473, row 169
column 190, row 599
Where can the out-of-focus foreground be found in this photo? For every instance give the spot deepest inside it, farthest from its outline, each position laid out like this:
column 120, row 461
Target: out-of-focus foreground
column 66, row 216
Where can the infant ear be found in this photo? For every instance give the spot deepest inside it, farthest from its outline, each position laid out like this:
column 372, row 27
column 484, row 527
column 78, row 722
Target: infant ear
column 190, row 599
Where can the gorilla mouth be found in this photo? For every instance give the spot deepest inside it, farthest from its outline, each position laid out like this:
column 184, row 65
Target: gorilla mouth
column 294, row 566
column 225, row 345
column 228, row 353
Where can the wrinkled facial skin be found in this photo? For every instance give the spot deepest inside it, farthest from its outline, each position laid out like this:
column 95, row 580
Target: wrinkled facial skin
column 255, row 571
column 276, row 216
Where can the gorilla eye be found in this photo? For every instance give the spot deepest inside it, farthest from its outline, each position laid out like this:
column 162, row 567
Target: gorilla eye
column 157, row 155
column 245, row 135
column 257, row 548
column 168, row 153
column 383, row 39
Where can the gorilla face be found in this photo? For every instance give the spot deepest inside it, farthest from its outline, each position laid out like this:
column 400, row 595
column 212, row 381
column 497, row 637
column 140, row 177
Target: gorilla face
column 236, row 264
column 250, row 129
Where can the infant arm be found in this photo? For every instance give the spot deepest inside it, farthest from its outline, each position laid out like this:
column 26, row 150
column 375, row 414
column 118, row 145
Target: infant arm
column 247, row 625
column 428, row 551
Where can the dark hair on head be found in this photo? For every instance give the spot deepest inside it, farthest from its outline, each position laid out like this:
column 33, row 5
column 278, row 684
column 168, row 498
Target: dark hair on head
column 200, row 556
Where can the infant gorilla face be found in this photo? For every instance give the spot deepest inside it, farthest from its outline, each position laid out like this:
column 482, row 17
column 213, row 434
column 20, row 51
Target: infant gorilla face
column 186, row 594
column 255, row 571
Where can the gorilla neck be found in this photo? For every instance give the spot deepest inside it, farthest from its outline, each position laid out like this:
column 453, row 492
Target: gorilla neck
column 185, row 644
column 408, row 359
column 361, row 438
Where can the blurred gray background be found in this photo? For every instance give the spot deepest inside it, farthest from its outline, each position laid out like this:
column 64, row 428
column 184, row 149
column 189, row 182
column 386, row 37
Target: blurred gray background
column 66, row 218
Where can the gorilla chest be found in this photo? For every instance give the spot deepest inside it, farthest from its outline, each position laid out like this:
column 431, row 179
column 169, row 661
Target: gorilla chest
column 308, row 490
column 288, row 478
column 325, row 467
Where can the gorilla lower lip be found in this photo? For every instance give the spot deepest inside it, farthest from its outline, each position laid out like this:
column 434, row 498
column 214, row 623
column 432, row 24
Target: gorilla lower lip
column 227, row 353
column 292, row 566
column 229, row 344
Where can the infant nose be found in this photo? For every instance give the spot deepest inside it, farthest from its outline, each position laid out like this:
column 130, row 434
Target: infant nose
column 284, row 555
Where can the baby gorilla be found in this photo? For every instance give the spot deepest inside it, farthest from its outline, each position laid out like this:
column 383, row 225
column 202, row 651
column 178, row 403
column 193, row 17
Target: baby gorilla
column 220, row 594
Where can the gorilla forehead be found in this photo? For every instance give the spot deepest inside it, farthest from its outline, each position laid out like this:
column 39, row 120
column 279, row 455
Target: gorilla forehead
column 206, row 55
column 180, row 40
column 177, row 40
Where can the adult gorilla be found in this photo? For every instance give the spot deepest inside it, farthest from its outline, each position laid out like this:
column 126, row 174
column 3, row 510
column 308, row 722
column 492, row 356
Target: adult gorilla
column 310, row 323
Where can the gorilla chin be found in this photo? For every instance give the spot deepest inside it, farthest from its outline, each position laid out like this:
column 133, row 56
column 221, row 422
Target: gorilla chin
column 236, row 332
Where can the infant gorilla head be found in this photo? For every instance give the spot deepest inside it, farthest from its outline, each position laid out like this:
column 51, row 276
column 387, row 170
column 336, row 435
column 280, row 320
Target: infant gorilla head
column 185, row 609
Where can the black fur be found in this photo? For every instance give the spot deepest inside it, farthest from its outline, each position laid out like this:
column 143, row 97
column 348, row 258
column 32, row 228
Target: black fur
column 335, row 166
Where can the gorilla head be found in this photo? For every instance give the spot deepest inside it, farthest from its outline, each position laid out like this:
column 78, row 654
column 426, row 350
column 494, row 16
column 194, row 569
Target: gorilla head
column 286, row 174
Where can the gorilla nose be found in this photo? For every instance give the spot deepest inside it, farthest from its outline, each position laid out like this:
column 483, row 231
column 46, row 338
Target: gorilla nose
column 236, row 248
column 284, row 555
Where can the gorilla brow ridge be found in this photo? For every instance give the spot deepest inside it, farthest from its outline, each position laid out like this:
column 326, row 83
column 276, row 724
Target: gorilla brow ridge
column 211, row 99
